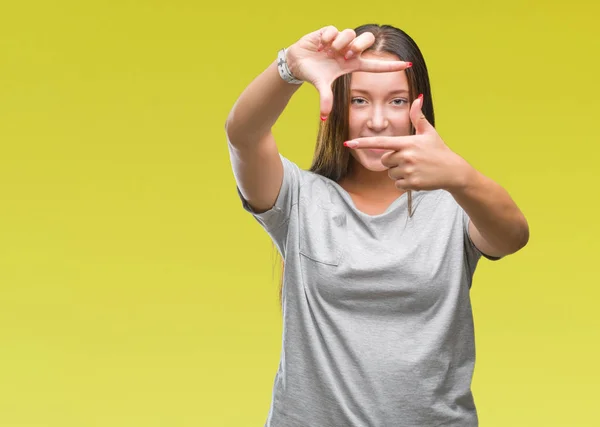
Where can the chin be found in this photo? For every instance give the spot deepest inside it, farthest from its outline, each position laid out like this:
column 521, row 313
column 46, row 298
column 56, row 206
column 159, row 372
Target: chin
column 375, row 166
column 372, row 164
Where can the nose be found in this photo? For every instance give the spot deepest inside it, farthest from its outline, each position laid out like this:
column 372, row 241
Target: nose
column 378, row 121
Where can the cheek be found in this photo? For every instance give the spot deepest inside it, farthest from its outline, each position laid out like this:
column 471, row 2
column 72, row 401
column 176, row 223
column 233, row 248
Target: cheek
column 401, row 123
column 355, row 125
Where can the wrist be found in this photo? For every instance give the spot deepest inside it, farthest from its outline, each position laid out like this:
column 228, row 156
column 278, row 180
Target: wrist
column 463, row 176
column 291, row 58
column 284, row 68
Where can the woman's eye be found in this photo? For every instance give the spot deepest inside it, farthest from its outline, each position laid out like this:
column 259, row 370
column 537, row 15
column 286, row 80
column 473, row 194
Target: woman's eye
column 361, row 101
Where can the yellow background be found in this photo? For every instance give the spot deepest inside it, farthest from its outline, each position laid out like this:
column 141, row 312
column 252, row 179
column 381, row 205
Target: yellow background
column 134, row 290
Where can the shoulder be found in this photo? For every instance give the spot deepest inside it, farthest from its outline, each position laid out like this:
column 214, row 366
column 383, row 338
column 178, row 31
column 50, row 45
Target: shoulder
column 436, row 199
column 436, row 207
column 308, row 188
column 317, row 189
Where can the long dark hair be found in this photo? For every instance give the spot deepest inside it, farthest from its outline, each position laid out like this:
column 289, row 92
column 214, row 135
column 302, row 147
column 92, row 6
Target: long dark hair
column 330, row 158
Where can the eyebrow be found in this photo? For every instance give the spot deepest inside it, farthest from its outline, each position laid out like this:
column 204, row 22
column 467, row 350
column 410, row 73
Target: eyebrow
column 393, row 92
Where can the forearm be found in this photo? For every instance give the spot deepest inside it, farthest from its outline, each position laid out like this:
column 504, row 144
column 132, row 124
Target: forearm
column 492, row 211
column 258, row 107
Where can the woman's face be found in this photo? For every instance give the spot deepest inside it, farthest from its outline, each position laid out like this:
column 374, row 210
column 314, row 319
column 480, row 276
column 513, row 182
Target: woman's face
column 379, row 106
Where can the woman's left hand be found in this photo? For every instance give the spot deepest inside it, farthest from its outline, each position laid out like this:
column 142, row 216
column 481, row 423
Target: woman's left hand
column 421, row 161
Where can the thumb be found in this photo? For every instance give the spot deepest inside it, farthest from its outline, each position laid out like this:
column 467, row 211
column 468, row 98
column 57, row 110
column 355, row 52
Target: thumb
column 325, row 98
column 417, row 117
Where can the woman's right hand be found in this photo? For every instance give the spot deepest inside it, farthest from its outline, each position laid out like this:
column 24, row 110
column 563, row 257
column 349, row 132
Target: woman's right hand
column 323, row 55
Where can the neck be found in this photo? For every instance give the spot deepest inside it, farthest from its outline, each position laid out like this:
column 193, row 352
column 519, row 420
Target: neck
column 369, row 184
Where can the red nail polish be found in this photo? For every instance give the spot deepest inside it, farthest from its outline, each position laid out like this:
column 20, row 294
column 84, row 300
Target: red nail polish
column 345, row 143
column 409, row 65
column 421, row 97
column 323, row 118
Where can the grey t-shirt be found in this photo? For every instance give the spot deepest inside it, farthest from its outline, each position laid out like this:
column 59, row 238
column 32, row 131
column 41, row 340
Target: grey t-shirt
column 377, row 322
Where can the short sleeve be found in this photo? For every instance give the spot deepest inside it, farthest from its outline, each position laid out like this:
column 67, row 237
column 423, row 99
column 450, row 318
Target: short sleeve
column 275, row 221
column 473, row 253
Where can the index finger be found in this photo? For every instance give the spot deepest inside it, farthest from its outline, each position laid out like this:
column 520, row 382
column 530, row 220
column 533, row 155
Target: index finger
column 395, row 143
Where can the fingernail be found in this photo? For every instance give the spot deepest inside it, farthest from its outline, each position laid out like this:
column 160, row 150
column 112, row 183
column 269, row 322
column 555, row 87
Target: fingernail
column 323, row 118
column 420, row 97
column 349, row 54
column 409, row 64
column 351, row 144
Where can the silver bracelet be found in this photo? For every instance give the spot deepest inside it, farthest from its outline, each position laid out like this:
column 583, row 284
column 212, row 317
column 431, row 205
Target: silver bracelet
column 284, row 71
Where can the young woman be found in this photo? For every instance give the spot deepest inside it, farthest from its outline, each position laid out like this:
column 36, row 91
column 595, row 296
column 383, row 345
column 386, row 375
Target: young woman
column 380, row 238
